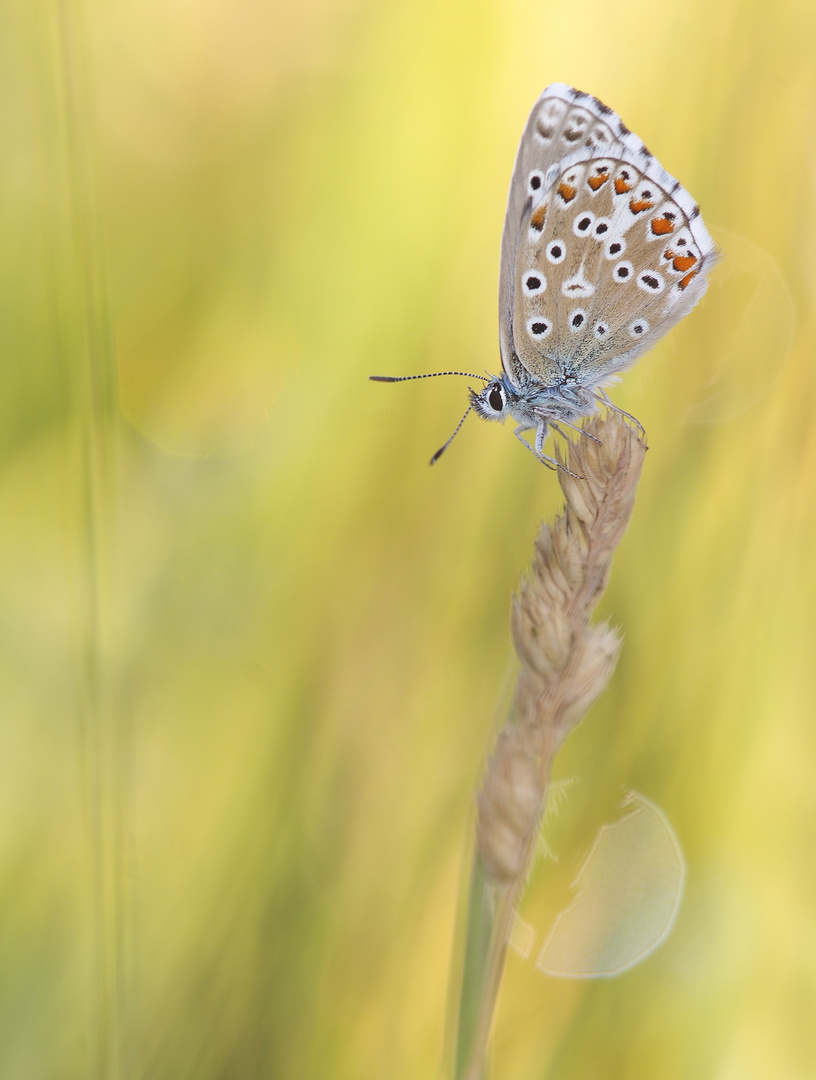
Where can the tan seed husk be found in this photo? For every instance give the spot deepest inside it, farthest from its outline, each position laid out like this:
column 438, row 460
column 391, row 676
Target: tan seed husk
column 565, row 661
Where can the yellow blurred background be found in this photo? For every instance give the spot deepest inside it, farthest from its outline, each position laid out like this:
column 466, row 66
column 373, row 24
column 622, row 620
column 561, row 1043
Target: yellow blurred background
column 254, row 649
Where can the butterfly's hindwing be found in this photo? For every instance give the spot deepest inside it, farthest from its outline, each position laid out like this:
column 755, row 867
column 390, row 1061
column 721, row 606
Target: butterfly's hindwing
column 603, row 251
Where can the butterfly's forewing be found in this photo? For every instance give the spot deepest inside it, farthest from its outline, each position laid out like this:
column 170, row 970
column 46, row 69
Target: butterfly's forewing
column 562, row 121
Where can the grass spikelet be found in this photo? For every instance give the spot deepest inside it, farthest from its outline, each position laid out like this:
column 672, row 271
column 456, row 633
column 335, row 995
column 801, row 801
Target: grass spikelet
column 566, row 662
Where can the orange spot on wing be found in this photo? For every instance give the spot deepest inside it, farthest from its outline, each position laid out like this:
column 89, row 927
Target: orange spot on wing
column 538, row 216
column 686, row 281
column 661, row 226
column 622, row 186
column 637, row 206
column 566, row 191
column 684, row 262
column 598, row 181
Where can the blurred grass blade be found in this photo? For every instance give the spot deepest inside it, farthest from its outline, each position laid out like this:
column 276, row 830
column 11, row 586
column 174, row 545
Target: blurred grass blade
column 87, row 359
column 479, row 961
column 490, row 915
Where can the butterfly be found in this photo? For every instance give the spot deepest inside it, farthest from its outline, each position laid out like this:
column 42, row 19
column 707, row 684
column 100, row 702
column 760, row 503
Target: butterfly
column 602, row 253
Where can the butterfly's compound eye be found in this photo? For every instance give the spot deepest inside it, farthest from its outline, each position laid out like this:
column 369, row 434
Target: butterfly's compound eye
column 495, row 398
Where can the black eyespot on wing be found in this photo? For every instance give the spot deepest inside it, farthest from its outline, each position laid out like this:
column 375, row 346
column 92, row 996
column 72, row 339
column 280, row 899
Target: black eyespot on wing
column 651, row 282
column 555, row 251
column 638, row 328
column 535, row 181
column 538, row 327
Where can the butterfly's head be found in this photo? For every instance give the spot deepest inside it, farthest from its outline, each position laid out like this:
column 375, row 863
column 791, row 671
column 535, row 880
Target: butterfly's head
column 495, row 401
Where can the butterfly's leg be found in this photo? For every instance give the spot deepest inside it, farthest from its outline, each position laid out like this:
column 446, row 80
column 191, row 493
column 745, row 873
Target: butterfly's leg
column 575, row 427
column 541, row 435
column 600, row 395
column 519, row 433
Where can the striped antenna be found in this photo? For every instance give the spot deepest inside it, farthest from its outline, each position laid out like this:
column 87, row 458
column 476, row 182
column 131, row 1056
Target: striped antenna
column 430, row 375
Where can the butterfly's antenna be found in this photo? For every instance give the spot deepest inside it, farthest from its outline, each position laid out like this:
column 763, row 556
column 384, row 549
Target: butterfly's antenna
column 442, row 449
column 430, row 375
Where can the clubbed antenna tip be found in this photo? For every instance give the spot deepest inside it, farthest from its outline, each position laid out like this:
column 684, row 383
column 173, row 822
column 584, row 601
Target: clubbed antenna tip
column 443, row 448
